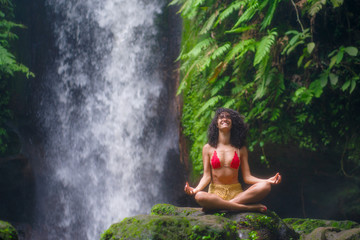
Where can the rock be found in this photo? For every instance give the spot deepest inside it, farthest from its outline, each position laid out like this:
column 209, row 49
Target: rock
column 316, row 229
column 7, row 231
column 169, row 222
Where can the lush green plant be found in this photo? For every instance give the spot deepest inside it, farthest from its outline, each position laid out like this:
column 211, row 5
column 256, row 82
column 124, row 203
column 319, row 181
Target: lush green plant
column 288, row 66
column 8, row 65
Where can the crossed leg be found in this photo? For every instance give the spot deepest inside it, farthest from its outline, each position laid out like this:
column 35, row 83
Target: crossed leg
column 244, row 201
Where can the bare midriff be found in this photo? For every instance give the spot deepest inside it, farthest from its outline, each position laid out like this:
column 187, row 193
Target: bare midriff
column 225, row 175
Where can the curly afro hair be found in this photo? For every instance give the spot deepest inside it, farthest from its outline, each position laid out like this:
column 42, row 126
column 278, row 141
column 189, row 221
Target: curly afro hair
column 239, row 129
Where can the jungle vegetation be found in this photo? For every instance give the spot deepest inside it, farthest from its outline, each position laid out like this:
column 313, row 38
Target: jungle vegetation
column 9, row 66
column 291, row 67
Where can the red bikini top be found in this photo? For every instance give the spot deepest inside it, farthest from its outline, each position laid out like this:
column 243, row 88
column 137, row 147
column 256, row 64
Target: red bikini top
column 215, row 161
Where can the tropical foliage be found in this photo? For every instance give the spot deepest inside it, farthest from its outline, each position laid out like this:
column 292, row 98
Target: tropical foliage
column 291, row 67
column 8, row 65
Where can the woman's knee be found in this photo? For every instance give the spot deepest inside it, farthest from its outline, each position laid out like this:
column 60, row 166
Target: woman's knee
column 201, row 196
column 265, row 187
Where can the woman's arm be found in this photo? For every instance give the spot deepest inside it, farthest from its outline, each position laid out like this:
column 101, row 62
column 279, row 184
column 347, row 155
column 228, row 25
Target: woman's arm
column 245, row 170
column 206, row 178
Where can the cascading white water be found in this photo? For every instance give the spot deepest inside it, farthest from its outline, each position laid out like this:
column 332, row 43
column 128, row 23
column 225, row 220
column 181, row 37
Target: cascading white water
column 105, row 142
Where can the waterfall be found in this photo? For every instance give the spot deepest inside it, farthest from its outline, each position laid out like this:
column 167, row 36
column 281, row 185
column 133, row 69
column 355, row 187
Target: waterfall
column 103, row 117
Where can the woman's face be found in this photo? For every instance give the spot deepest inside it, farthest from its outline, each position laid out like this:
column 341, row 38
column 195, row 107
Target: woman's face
column 224, row 121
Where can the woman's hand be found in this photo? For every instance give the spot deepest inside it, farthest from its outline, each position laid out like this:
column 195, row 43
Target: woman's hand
column 190, row 190
column 275, row 179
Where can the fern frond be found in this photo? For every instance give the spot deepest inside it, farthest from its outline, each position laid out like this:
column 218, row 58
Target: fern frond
column 248, row 14
column 209, row 23
column 209, row 103
column 269, row 15
column 316, row 7
column 198, row 48
column 6, row 58
column 176, row 2
column 229, row 104
column 240, row 49
column 265, row 46
column 192, row 8
column 261, row 75
column 230, row 9
column 337, row 3
column 220, row 51
column 241, row 29
column 218, row 85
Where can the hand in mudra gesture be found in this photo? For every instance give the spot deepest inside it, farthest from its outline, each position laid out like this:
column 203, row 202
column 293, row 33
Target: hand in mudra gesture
column 275, row 179
column 190, row 190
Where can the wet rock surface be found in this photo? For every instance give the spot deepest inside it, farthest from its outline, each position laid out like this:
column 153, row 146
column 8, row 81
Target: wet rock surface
column 171, row 222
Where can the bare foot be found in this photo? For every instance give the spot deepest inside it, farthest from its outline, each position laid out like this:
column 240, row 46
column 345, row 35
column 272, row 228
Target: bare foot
column 257, row 208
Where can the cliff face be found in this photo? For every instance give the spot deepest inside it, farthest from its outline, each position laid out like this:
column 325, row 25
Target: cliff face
column 169, row 222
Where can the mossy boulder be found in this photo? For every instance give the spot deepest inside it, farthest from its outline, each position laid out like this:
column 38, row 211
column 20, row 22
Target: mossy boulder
column 317, row 229
column 169, row 222
column 7, row 231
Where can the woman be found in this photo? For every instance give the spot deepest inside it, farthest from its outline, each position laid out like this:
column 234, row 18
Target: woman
column 223, row 155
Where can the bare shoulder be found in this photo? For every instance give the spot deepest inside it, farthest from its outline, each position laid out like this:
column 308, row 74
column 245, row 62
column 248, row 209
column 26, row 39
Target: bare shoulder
column 207, row 148
column 243, row 150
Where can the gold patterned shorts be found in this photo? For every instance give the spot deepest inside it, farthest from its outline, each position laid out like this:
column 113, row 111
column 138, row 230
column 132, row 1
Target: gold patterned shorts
column 226, row 192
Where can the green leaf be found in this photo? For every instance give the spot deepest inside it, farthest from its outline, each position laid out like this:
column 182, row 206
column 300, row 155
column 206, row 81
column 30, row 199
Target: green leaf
column 337, row 3
column 208, row 24
column 241, row 29
column 236, row 5
column 339, row 57
column 210, row 103
column 229, row 103
column 300, row 60
column 333, row 78
column 310, row 47
column 332, row 62
column 307, row 64
column 323, row 80
column 346, row 85
column 199, row 48
column 316, row 6
column 265, row 46
column 218, row 85
column 248, row 14
column 352, row 51
column 269, row 16
column 220, row 51
column 353, row 85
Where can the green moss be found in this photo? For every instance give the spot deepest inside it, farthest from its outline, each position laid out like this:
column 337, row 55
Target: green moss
column 261, row 221
column 306, row 226
column 172, row 227
column 163, row 209
column 7, row 231
column 171, row 210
